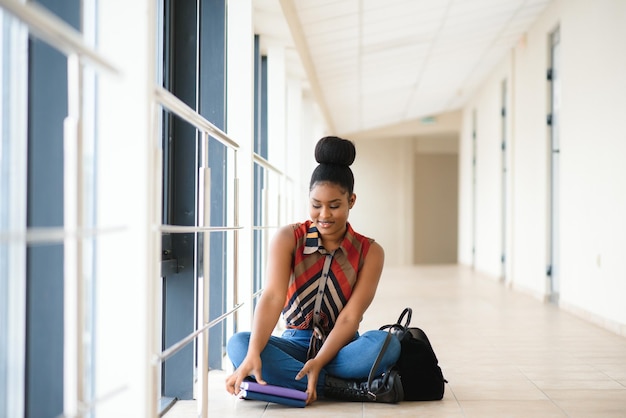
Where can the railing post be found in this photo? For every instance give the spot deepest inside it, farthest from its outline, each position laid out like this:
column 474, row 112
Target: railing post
column 73, row 352
column 203, row 276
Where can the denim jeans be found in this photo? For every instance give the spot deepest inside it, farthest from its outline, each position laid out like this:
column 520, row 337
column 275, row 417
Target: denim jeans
column 283, row 357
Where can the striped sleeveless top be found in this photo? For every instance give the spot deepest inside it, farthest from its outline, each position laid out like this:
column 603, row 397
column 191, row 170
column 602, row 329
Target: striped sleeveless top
column 310, row 261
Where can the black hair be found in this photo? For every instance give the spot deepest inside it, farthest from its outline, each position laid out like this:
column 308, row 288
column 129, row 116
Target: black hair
column 334, row 155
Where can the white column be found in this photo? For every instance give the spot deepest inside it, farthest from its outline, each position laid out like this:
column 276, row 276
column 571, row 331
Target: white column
column 294, row 151
column 126, row 267
column 14, row 104
column 276, row 105
column 240, row 111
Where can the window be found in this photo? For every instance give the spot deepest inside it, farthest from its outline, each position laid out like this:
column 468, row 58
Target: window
column 90, row 309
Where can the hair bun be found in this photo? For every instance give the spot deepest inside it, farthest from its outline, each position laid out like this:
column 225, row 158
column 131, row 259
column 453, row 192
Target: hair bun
column 335, row 150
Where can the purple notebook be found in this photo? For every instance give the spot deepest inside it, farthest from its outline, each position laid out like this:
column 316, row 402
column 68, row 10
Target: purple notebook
column 274, row 390
column 266, row 397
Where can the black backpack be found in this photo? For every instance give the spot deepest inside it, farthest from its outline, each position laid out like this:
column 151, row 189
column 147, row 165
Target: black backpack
column 420, row 374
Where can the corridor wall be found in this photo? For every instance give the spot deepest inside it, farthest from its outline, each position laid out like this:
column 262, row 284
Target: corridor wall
column 591, row 240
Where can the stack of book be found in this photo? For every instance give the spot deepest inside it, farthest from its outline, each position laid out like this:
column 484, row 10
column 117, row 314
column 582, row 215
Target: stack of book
column 271, row 393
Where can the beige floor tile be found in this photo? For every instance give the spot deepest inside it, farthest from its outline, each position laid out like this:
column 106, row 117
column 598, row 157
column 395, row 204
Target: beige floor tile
column 592, row 395
column 584, row 384
column 182, row 409
column 591, row 403
column 502, row 390
column 512, row 409
column 448, row 407
column 321, row 409
column 504, row 353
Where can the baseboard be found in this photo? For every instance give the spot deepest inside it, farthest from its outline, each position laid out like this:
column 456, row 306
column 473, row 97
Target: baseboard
column 608, row 324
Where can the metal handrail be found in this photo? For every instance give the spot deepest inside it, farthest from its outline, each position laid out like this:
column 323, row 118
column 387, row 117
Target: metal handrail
column 177, row 346
column 174, row 348
column 266, row 164
column 53, row 235
column 173, row 104
column 182, row 110
column 54, row 31
column 181, row 229
column 265, row 227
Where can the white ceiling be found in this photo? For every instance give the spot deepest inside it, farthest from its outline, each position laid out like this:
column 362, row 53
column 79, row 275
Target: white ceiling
column 373, row 64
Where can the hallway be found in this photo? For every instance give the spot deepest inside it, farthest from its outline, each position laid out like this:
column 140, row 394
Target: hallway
column 505, row 354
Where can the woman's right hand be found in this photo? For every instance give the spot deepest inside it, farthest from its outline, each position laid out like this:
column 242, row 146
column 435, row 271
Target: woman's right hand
column 268, row 308
column 251, row 366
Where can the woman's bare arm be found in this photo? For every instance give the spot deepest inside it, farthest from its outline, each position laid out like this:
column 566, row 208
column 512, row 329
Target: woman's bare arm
column 268, row 309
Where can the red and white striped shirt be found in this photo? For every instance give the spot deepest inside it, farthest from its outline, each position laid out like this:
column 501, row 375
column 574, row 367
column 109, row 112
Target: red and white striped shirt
column 316, row 270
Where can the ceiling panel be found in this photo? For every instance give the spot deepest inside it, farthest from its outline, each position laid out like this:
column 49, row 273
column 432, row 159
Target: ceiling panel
column 384, row 62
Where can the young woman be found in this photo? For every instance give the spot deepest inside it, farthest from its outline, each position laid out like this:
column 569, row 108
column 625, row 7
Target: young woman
column 322, row 276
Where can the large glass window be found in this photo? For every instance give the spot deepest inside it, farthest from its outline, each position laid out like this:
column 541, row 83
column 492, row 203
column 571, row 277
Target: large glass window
column 81, row 300
column 195, row 187
column 47, row 211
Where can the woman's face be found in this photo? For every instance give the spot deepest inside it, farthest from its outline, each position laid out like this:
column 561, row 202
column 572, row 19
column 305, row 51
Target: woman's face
column 329, row 207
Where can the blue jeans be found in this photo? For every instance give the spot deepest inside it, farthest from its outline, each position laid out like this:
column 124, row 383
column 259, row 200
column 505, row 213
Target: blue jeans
column 283, row 357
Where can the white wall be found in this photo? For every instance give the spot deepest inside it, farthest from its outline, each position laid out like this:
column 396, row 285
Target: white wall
column 435, row 199
column 312, row 128
column 383, row 184
column 592, row 173
column 592, row 157
column 488, row 227
column 466, row 209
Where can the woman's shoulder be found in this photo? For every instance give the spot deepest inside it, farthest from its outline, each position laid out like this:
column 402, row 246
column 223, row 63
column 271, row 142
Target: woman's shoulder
column 291, row 232
column 359, row 237
column 288, row 238
column 368, row 244
column 376, row 248
column 298, row 229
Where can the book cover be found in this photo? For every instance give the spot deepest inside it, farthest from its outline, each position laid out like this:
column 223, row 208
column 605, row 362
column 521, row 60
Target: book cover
column 274, row 390
column 258, row 396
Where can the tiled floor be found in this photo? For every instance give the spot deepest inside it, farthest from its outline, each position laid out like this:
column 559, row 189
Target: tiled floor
column 504, row 354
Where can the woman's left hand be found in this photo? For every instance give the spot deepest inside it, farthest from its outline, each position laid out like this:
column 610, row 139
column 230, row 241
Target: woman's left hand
column 311, row 370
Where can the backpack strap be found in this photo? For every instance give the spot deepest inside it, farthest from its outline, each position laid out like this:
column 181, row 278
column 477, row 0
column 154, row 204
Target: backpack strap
column 396, row 328
column 408, row 312
column 379, row 358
